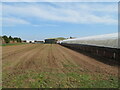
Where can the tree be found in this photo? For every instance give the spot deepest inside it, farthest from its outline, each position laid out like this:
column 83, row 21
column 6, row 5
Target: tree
column 35, row 41
column 17, row 39
column 10, row 38
column 6, row 39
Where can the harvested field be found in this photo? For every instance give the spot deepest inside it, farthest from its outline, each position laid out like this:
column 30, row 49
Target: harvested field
column 54, row 66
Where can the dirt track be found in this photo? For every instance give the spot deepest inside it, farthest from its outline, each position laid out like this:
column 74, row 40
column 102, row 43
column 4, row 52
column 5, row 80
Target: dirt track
column 49, row 58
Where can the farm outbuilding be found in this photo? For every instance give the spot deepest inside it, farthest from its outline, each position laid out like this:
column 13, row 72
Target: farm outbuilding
column 101, row 45
column 106, row 40
column 38, row 42
column 51, row 41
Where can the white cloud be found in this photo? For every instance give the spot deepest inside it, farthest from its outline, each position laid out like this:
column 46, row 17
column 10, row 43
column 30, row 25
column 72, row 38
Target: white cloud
column 98, row 7
column 10, row 21
column 65, row 12
column 44, row 25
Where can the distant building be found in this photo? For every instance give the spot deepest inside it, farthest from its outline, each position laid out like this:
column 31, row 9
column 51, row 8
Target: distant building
column 11, row 41
column 72, row 38
column 24, row 41
column 59, row 41
column 51, row 41
column 29, row 41
column 38, row 41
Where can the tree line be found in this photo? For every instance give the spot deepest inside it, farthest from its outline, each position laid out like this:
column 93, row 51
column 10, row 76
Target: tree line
column 8, row 39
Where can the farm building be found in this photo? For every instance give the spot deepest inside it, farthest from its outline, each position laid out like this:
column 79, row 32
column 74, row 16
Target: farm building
column 24, row 41
column 38, row 41
column 101, row 45
column 107, row 40
column 11, row 41
column 29, row 41
column 51, row 41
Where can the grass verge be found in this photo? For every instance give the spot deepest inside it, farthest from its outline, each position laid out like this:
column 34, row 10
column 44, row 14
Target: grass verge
column 12, row 44
column 60, row 80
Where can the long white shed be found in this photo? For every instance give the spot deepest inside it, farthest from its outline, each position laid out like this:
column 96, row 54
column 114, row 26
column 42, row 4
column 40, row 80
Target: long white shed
column 106, row 40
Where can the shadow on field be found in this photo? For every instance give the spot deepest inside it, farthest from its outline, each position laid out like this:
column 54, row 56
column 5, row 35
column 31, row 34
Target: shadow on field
column 99, row 58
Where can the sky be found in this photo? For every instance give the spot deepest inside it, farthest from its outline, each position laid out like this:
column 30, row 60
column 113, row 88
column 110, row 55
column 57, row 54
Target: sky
column 41, row 20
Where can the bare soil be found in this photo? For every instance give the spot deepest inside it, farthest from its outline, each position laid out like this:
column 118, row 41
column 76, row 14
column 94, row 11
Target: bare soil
column 53, row 58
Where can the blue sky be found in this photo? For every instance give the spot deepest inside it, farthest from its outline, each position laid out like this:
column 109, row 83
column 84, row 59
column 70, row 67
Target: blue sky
column 37, row 21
